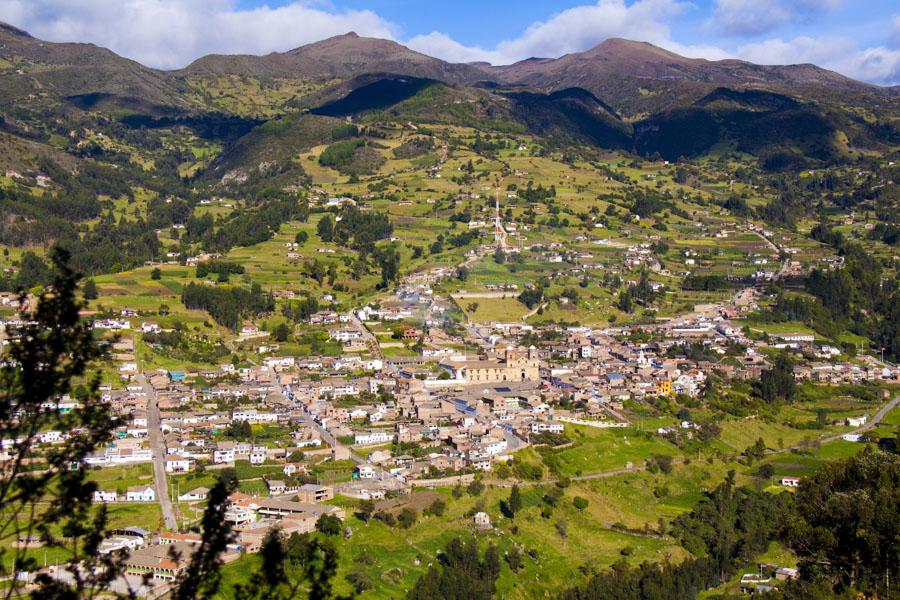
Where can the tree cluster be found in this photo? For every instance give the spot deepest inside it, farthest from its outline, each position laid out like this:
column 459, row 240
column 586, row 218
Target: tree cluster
column 228, row 305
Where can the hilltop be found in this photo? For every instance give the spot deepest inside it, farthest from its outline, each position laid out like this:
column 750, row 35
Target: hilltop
column 340, row 57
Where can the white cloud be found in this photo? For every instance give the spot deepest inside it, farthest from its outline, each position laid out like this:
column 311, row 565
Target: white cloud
column 171, row 33
column 582, row 27
column 877, row 64
column 443, row 46
column 696, row 51
column 754, row 17
column 573, row 30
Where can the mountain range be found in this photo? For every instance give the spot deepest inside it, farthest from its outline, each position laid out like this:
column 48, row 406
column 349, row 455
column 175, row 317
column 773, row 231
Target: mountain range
column 619, row 94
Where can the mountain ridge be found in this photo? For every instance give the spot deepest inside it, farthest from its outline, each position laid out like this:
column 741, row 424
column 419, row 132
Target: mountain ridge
column 619, row 94
column 341, row 57
column 350, row 54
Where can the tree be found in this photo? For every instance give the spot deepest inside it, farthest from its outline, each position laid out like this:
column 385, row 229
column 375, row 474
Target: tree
column 407, row 518
column 360, row 580
column 365, row 509
column 46, row 353
column 329, row 525
column 580, row 503
column 281, row 333
column 202, row 577
column 462, row 573
column 228, row 477
column 89, row 290
column 625, row 303
column 514, row 504
column 438, row 507
column 847, row 528
column 514, row 560
column 389, row 261
column 325, row 228
column 757, row 450
column 156, row 274
column 239, row 430
column 778, row 383
column 301, row 566
column 491, row 564
column 33, row 271
column 531, row 297
column 301, row 237
column 766, row 471
column 663, row 462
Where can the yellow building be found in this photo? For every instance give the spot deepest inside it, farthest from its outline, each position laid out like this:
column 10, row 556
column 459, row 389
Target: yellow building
column 514, row 366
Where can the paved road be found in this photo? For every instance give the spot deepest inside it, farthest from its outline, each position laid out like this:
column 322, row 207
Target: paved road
column 326, row 435
column 768, row 242
column 513, row 442
column 370, row 338
column 605, row 406
column 879, row 416
column 156, row 445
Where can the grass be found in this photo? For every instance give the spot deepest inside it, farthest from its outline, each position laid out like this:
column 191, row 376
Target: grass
column 394, row 552
column 599, row 450
column 742, row 433
column 492, row 309
column 120, row 478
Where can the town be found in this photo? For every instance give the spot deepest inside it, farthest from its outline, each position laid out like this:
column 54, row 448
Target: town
column 369, row 427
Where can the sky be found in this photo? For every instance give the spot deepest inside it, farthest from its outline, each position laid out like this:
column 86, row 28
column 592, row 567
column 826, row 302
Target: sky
column 858, row 38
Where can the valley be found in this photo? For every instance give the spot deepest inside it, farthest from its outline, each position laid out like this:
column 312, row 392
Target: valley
column 593, row 313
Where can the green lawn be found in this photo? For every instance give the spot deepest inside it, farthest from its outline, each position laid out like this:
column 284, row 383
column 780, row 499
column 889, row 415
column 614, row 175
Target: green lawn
column 598, row 450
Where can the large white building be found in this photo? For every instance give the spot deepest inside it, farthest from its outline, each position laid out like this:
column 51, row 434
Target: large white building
column 373, row 437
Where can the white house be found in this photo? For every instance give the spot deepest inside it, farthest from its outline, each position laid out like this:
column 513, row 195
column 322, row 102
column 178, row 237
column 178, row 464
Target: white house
column 857, row 421
column 179, row 464
column 373, row 437
column 106, row 496
column 491, row 446
column 49, row 437
column 540, row 426
column 365, row 472
column 140, row 493
column 254, row 416
column 224, row 455
column 199, row 493
column 797, row 337
column 258, row 455
column 345, row 335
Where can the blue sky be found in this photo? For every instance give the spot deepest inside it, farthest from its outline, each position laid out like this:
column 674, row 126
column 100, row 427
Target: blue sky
column 860, row 38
